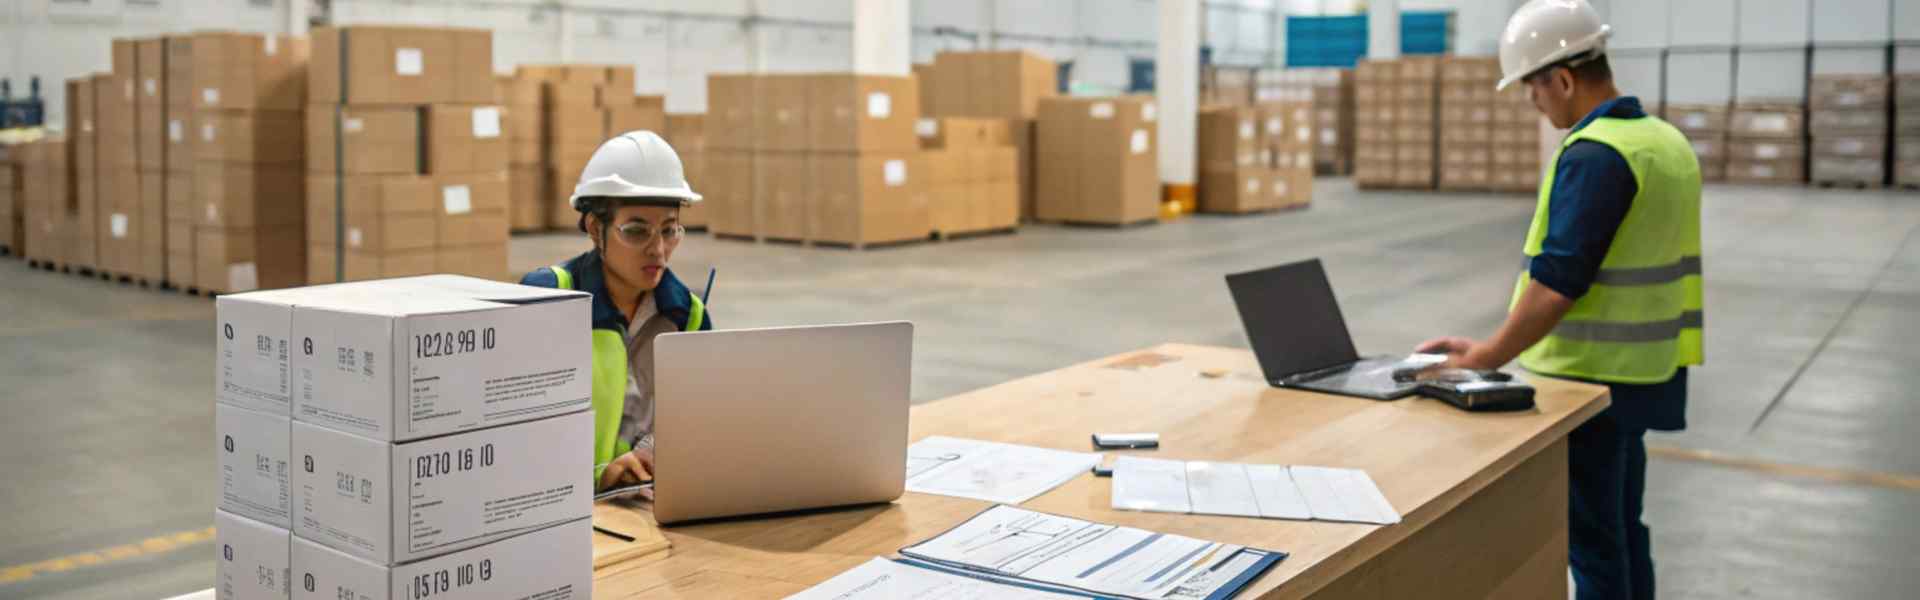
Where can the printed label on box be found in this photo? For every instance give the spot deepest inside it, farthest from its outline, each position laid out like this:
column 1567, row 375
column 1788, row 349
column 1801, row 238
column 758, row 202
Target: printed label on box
column 352, row 124
column 1101, row 110
column 152, row 87
column 213, row 213
column 1253, row 185
column 1694, row 120
column 118, row 224
column 353, row 237
column 206, row 132
column 242, row 277
column 1770, row 122
column 457, row 199
column 273, row 45
column 1246, row 130
column 1273, row 126
column 486, row 122
column 1847, row 99
column 1703, row 148
column 1766, row 151
column 173, row 131
column 1849, row 146
column 1328, row 137
column 879, row 105
column 896, row 173
column 1306, row 135
column 1139, row 141
column 1280, row 187
column 408, row 61
column 210, row 96
column 1148, row 112
column 926, row 128
column 1303, row 161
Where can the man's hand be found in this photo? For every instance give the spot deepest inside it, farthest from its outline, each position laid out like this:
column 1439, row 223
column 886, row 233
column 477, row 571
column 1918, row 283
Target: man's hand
column 632, row 468
column 1462, row 353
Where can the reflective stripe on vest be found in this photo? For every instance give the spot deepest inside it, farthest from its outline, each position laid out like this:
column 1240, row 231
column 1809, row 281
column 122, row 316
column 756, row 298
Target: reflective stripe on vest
column 1643, row 316
column 610, row 381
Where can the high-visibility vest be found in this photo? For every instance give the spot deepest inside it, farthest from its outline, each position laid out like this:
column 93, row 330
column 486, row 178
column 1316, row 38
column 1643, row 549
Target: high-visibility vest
column 1642, row 318
column 610, row 380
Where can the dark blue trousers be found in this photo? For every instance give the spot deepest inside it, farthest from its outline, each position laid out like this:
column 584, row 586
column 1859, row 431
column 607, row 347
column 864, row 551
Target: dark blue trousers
column 1607, row 477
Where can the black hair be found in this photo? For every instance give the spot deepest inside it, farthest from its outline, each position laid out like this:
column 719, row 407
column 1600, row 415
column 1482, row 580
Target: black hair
column 1586, row 67
column 602, row 208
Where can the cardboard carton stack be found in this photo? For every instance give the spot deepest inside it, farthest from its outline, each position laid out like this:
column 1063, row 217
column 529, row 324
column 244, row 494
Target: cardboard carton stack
column 361, row 472
column 1767, row 143
column 1847, row 120
column 972, row 172
column 47, row 190
column 82, row 247
column 1232, row 177
column 248, row 204
column 1415, row 134
column 1466, row 122
column 1289, row 135
column 687, row 133
column 1374, row 122
column 530, row 192
column 999, row 84
column 177, row 155
column 1906, row 130
column 1095, row 161
column 121, row 224
column 406, row 154
column 1228, row 85
column 731, row 104
column 11, row 217
column 1516, row 142
column 583, row 106
column 1332, row 98
column 1705, row 126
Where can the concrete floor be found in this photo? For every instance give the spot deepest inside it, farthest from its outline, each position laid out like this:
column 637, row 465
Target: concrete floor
column 1799, row 477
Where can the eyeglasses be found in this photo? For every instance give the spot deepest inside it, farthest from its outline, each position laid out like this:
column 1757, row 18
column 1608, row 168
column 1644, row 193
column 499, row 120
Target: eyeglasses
column 639, row 235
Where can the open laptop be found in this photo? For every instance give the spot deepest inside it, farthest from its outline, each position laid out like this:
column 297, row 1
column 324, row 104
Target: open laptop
column 1294, row 325
column 768, row 420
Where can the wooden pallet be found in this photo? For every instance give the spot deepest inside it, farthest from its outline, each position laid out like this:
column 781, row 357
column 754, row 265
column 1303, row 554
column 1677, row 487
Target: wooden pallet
column 1101, row 225
column 952, row 236
column 1855, row 184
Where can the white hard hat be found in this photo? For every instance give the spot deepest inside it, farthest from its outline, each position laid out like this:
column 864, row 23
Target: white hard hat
column 635, row 164
column 1544, row 32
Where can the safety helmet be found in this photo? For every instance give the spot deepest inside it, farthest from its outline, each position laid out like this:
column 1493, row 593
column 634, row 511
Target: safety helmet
column 1545, row 32
column 637, row 165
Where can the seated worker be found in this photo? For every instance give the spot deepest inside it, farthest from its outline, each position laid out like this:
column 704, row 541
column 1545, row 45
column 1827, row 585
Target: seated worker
column 629, row 198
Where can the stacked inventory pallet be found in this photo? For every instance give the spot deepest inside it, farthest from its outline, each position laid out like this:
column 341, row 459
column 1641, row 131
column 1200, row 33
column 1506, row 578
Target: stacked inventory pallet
column 248, row 207
column 11, row 196
column 583, row 106
column 123, row 224
column 1416, row 110
column 730, row 141
column 46, row 193
column 415, row 474
column 1516, row 142
column 1466, row 122
column 1705, row 126
column 529, row 183
column 179, row 147
column 1767, row 143
column 973, row 175
column 406, row 155
column 1000, row 84
column 80, row 236
column 1232, row 178
column 1288, row 137
column 1847, row 122
column 687, row 133
column 1374, row 123
column 1906, row 130
column 1096, row 162
column 1333, row 109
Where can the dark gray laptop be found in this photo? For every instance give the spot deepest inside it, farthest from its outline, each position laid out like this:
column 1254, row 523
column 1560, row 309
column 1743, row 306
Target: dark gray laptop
column 1300, row 339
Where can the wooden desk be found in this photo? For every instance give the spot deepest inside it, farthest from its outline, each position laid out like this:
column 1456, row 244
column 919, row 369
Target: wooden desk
column 1483, row 495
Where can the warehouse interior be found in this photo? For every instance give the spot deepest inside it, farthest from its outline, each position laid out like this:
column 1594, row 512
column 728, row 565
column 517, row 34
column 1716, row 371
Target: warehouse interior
column 1794, row 476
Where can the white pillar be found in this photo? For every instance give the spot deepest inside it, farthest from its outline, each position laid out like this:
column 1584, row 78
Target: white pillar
column 1176, row 85
column 297, row 16
column 564, row 30
column 1383, row 29
column 882, row 37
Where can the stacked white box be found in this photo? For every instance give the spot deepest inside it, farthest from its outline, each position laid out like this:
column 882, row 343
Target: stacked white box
column 555, row 563
column 254, row 559
column 252, row 459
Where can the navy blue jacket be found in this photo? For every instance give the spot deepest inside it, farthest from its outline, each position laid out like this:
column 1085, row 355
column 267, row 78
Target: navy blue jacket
column 673, row 298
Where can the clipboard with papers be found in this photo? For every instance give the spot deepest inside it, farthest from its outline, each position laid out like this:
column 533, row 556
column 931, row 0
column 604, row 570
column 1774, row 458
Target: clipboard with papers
column 1083, row 558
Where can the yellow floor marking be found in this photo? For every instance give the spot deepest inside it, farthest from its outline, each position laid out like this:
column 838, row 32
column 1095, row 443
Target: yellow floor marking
column 159, row 544
column 1848, row 476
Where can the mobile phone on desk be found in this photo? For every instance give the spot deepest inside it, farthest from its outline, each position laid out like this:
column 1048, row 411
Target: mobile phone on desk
column 1125, row 441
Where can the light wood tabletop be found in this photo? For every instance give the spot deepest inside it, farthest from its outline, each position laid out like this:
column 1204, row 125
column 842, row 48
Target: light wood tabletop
column 1429, row 459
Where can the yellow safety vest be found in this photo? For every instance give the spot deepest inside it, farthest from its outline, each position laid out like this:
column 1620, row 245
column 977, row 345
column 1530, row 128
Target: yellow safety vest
column 1642, row 318
column 610, row 380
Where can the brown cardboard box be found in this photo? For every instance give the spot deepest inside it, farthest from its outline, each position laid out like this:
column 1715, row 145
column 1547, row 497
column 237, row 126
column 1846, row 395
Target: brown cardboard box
column 923, row 82
column 565, row 174
column 1024, row 143
column 464, row 139
column 150, row 222
column 728, row 198
column 1765, row 149
column 1229, row 141
column 781, row 113
column 782, row 198
column 1233, row 191
column 10, row 209
column 1698, row 118
column 238, row 260
column 869, row 198
column 174, row 195
column 150, row 54
column 486, row 261
column 1471, row 69
column 248, row 71
column 400, row 65
column 644, row 113
column 951, row 85
column 573, row 145
column 178, row 73
column 1095, row 161
column 1868, row 146
column 82, row 236
column 1843, row 121
column 150, row 137
column 1710, row 148
column 182, row 143
column 114, row 119
column 964, row 132
column 177, row 264
column 518, row 92
column 472, row 209
column 246, row 195
column 1848, row 91
column 1848, row 169
column 126, row 61
column 1767, row 120
column 1009, row 83
column 862, row 113
column 360, row 266
column 374, row 140
column 528, row 192
column 526, row 135
column 264, row 137
column 687, row 133
column 1765, row 171
column 949, row 180
column 572, row 95
column 383, row 212
column 730, row 110
column 1417, row 68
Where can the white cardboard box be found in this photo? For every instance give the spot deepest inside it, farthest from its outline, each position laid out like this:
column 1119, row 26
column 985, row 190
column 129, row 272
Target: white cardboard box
column 253, row 561
column 439, row 355
column 555, row 563
column 395, row 503
column 251, row 334
column 251, row 453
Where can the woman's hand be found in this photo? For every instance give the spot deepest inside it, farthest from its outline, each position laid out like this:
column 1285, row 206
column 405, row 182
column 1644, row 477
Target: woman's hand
column 632, row 468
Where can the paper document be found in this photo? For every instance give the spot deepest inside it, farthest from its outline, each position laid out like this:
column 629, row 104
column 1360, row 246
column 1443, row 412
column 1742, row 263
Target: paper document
column 1239, row 490
column 882, row 579
column 1108, row 560
column 994, row 472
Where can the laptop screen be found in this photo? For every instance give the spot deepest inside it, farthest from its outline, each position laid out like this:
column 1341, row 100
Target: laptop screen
column 1292, row 319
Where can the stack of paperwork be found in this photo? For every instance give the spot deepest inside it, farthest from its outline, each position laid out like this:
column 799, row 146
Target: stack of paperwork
column 1242, row 490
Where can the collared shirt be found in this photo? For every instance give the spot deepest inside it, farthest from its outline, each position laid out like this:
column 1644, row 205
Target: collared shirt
column 1593, row 188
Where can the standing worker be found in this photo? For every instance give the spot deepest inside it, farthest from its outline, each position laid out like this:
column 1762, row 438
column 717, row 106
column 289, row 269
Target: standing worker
column 629, row 198
column 1612, row 290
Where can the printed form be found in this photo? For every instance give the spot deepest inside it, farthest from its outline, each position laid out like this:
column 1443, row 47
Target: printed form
column 882, row 579
column 1241, row 490
column 990, row 471
column 1107, row 560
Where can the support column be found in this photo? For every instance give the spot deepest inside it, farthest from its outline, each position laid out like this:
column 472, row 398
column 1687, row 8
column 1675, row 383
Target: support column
column 1176, row 85
column 882, row 37
column 297, row 17
column 1383, row 29
column 564, row 28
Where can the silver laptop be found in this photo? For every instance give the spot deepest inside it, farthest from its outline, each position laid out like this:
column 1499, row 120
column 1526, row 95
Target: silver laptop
column 770, row 420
